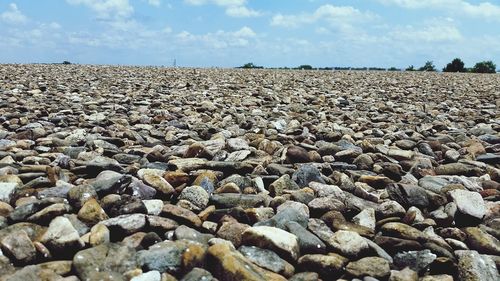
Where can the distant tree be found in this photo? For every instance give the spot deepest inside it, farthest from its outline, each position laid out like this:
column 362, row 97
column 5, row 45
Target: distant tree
column 394, row 69
column 429, row 66
column 457, row 65
column 305, row 66
column 66, row 62
column 484, row 67
column 250, row 65
column 410, row 68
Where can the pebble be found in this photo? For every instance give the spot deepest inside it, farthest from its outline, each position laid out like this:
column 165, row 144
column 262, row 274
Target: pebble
column 283, row 242
column 369, row 266
column 162, row 173
column 61, row 236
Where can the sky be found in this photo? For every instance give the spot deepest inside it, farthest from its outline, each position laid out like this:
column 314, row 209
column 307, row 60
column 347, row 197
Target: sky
column 229, row 33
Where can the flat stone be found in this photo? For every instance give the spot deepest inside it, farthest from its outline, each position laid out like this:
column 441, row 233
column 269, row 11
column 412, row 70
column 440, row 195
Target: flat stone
column 482, row 241
column 229, row 264
column 7, row 190
column 268, row 260
column 415, row 260
column 475, row 267
column 91, row 212
column 348, row 243
column 328, row 266
column 286, row 215
column 196, row 195
column 198, row 274
column 126, row 224
column 369, row 266
column 61, row 236
column 366, row 218
column 186, row 233
column 308, row 242
column 306, row 174
column 108, row 257
column 152, row 275
column 272, row 238
column 283, row 183
column 164, row 257
column 181, row 214
column 469, row 203
column 19, row 247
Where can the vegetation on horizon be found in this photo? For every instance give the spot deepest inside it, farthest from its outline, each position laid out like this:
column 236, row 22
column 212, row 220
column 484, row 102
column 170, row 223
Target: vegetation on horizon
column 456, row 65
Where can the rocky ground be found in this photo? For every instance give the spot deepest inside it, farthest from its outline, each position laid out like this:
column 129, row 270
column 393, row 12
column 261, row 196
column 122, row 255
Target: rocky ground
column 123, row 173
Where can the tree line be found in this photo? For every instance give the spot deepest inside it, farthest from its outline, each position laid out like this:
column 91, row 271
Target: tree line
column 456, row 65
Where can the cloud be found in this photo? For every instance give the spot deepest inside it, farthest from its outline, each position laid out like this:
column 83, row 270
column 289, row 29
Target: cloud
column 481, row 10
column 155, row 3
column 13, row 15
column 107, row 8
column 234, row 8
column 335, row 15
column 431, row 31
column 241, row 12
column 220, row 39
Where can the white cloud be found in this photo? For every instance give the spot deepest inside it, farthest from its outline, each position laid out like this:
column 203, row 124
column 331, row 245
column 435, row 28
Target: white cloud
column 335, row 15
column 107, row 8
column 234, row 8
column 431, row 31
column 482, row 9
column 220, row 39
column 242, row 12
column 13, row 15
column 245, row 32
column 155, row 3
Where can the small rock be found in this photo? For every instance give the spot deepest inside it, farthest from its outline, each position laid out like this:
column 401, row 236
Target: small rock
column 61, row 236
column 369, row 266
column 109, row 257
column 297, row 154
column 91, row 212
column 268, row 260
column 348, row 243
column 306, row 174
column 475, row 267
column 283, row 183
column 415, row 260
column 308, row 242
column 469, row 203
column 196, row 195
column 328, row 266
column 19, row 247
column 229, row 264
column 283, row 242
column 125, row 224
column 181, row 214
column 152, row 275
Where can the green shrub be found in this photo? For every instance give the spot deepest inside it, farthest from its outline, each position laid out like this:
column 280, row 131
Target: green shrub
column 484, row 67
column 429, row 66
column 410, row 68
column 457, row 65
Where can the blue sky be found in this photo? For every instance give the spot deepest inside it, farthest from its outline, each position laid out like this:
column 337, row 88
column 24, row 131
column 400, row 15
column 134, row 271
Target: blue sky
column 229, row 33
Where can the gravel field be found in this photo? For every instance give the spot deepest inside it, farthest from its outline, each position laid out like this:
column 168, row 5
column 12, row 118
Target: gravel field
column 149, row 174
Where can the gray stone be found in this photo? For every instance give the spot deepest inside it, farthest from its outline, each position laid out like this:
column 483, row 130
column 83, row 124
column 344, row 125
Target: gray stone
column 267, row 259
column 196, row 195
column 469, row 203
column 415, row 260
column 272, row 238
column 475, row 267
column 61, row 236
column 306, row 174
column 109, row 257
